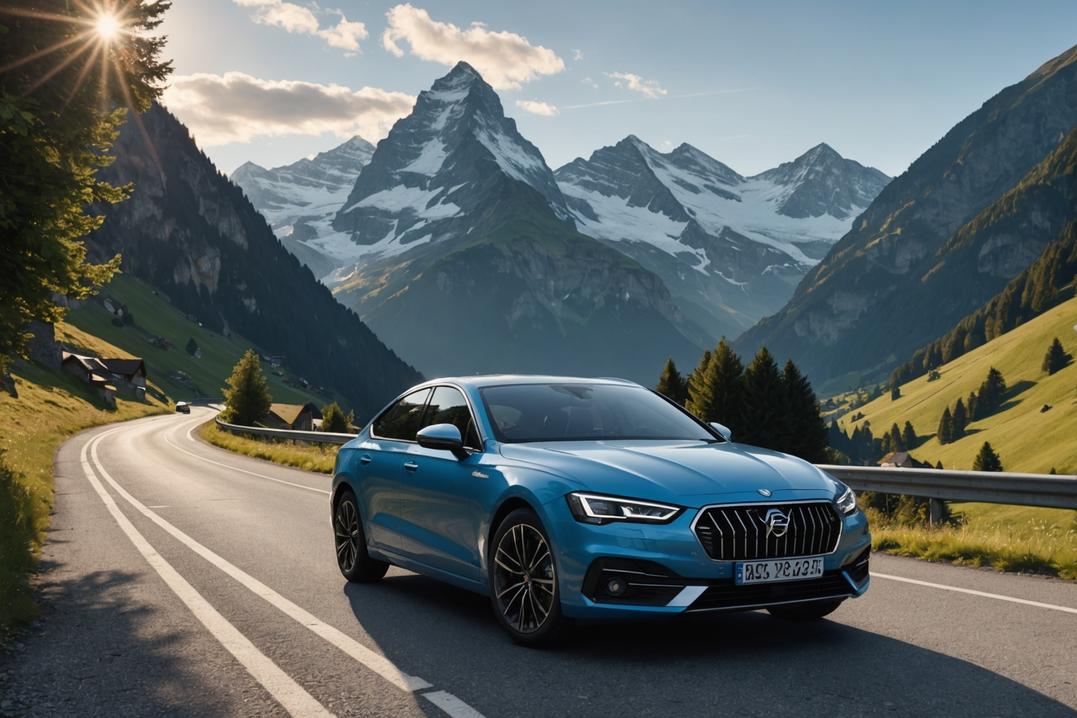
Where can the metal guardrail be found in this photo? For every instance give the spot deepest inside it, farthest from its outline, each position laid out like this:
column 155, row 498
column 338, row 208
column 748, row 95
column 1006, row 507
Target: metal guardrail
column 311, row 437
column 1046, row 490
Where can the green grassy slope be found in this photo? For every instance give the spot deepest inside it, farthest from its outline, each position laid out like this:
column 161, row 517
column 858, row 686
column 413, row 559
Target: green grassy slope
column 51, row 406
column 154, row 316
column 1026, row 439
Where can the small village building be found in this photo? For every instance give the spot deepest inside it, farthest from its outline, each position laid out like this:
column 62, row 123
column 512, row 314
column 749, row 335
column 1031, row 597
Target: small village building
column 900, row 460
column 92, row 371
column 299, row 417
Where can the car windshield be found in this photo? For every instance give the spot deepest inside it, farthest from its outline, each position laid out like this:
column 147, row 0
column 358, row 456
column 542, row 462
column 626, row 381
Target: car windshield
column 582, row 412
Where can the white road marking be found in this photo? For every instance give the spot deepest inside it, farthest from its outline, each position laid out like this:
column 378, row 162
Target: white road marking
column 279, row 684
column 374, row 661
column 236, row 468
column 971, row 592
column 452, row 705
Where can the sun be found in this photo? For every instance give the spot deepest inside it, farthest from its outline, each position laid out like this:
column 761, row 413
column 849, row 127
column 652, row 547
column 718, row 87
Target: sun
column 107, row 26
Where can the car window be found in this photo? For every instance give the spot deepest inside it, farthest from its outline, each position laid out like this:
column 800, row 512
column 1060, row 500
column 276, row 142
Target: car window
column 581, row 412
column 403, row 419
column 448, row 406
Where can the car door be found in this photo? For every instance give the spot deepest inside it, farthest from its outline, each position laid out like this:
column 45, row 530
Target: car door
column 382, row 459
column 443, row 496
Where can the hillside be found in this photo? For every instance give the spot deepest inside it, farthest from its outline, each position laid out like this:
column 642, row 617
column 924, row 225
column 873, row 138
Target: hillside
column 193, row 236
column 922, row 256
column 1026, row 439
column 154, row 317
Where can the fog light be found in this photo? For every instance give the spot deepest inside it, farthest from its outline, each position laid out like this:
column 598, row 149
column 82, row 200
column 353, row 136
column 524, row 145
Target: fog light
column 616, row 587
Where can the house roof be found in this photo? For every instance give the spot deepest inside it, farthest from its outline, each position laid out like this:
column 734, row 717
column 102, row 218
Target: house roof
column 897, row 458
column 288, row 413
column 126, row 367
column 91, row 364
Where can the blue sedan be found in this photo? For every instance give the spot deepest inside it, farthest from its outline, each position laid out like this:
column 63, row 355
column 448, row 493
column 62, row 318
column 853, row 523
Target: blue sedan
column 590, row 499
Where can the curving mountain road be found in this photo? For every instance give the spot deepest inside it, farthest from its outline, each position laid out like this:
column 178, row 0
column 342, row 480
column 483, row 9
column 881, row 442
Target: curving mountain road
column 180, row 579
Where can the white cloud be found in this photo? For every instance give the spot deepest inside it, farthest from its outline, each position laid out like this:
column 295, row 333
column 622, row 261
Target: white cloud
column 344, row 35
column 504, row 59
column 235, row 107
column 577, row 55
column 635, row 83
column 589, row 82
column 537, row 107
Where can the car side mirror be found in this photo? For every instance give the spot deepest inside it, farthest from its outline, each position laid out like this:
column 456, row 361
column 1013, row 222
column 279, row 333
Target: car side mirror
column 443, row 437
column 725, row 432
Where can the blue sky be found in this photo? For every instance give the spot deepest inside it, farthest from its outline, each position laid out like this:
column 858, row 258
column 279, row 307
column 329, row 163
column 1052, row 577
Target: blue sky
column 753, row 84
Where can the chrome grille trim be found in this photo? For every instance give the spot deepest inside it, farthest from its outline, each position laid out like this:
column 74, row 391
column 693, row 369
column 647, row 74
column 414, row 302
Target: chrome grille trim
column 722, row 530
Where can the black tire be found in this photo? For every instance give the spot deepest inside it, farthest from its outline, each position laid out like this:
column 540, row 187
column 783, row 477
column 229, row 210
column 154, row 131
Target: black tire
column 523, row 580
column 811, row 611
column 349, row 541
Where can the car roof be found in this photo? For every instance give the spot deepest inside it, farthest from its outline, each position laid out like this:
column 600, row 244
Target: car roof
column 481, row 381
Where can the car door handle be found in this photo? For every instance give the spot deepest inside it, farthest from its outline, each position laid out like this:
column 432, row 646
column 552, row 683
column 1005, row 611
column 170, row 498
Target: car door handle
column 411, row 466
column 365, row 459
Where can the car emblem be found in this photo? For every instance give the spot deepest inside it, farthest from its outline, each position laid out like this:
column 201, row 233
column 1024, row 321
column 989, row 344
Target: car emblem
column 777, row 523
column 765, row 492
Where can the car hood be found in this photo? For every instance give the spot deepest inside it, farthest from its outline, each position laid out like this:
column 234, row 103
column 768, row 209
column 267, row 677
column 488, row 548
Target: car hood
column 685, row 472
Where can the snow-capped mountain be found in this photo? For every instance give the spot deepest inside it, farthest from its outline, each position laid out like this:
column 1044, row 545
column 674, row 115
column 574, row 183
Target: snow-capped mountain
column 730, row 248
column 438, row 167
column 300, row 200
column 465, row 257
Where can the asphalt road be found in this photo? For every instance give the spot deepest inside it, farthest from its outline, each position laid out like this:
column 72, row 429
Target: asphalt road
column 180, row 579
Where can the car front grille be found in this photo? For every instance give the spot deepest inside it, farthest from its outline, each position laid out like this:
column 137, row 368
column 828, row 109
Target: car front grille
column 729, row 597
column 741, row 532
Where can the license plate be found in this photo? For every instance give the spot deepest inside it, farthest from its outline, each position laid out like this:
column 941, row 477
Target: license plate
column 785, row 569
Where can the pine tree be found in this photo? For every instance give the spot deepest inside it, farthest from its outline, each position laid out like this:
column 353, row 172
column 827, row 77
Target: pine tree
column 938, row 464
column 335, row 420
column 961, row 420
column 671, row 384
column 991, row 393
column 725, row 384
column 970, row 408
column 698, row 402
column 895, row 392
column 1056, row 358
column 247, row 398
column 987, row 459
column 763, row 406
column 946, row 427
column 58, row 120
column 897, row 441
column 807, row 435
column 909, row 437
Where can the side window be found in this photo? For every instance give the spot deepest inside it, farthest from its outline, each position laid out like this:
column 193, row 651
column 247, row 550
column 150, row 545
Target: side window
column 403, row 419
column 448, row 406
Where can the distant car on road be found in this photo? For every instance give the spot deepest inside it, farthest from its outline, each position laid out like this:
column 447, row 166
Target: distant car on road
column 182, row 407
column 564, row 498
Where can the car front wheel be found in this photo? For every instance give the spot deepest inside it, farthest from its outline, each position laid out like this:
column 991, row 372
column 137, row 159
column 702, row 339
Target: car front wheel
column 523, row 580
column 352, row 557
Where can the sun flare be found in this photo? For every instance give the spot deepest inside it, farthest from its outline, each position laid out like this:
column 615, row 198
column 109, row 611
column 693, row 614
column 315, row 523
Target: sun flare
column 107, row 26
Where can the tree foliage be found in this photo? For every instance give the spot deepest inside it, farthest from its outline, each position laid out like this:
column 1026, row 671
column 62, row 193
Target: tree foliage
column 1057, row 358
column 671, row 384
column 247, row 398
column 335, row 420
column 64, row 92
column 987, row 459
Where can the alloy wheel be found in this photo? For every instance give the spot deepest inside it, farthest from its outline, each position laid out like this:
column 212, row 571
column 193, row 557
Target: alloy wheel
column 524, row 577
column 347, row 534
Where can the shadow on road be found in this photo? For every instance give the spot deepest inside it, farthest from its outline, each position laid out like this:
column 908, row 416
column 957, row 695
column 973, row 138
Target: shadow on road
column 745, row 663
column 124, row 663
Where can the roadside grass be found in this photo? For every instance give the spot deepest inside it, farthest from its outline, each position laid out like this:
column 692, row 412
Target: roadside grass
column 1015, row 539
column 50, row 408
column 309, row 457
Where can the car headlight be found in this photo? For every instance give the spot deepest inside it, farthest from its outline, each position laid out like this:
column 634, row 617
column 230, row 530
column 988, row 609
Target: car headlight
column 846, row 500
column 593, row 509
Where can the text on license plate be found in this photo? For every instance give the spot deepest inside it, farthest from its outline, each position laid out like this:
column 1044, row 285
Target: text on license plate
column 786, row 569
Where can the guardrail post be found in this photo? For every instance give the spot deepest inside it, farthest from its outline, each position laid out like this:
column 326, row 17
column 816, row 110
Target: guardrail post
column 934, row 512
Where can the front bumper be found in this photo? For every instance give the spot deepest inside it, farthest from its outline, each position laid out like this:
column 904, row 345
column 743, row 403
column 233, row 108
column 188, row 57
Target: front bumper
column 665, row 570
